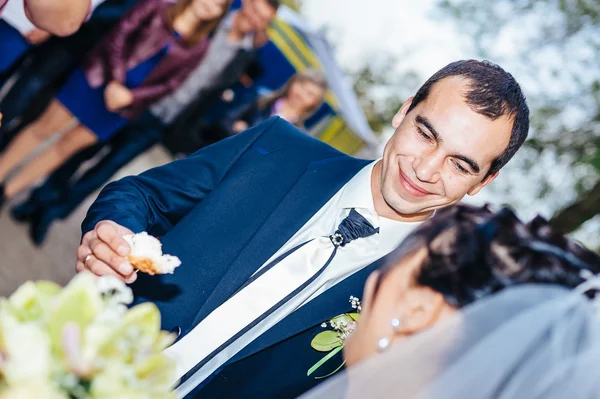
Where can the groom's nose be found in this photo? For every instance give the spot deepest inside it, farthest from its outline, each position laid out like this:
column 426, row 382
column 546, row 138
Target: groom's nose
column 427, row 167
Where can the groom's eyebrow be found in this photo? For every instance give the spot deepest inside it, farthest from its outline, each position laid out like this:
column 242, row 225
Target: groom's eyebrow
column 425, row 122
column 470, row 162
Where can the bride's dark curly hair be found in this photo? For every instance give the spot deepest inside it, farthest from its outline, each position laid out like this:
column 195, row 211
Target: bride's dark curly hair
column 474, row 251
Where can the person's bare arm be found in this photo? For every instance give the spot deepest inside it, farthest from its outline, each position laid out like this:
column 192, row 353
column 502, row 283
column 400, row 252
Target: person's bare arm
column 61, row 18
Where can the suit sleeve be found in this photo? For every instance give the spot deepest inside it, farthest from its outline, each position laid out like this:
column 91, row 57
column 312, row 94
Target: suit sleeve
column 158, row 199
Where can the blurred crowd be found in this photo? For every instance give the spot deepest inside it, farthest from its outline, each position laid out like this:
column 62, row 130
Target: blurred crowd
column 136, row 73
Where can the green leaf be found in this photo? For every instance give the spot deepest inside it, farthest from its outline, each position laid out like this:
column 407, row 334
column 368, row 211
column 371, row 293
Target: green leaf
column 322, row 361
column 333, row 372
column 326, row 341
column 354, row 316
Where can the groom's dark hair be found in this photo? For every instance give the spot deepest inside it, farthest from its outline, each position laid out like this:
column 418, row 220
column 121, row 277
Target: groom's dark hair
column 474, row 252
column 492, row 92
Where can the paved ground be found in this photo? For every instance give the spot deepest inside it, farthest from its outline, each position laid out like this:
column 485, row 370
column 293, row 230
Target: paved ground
column 55, row 260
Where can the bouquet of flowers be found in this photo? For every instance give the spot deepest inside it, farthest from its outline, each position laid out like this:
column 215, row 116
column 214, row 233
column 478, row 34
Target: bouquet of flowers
column 81, row 341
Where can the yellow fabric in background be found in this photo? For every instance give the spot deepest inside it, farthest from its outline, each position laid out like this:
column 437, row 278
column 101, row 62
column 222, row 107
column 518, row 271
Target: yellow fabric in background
column 301, row 57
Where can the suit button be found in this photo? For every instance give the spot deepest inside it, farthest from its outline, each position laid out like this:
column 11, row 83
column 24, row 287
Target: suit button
column 177, row 331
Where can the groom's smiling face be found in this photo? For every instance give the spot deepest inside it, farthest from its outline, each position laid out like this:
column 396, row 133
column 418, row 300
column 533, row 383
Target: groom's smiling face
column 442, row 150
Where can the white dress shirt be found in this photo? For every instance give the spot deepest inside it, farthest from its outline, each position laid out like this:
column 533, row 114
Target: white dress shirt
column 356, row 193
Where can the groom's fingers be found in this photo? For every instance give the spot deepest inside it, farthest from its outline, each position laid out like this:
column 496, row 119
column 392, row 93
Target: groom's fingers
column 99, row 268
column 79, row 266
column 103, row 250
column 105, row 254
column 112, row 234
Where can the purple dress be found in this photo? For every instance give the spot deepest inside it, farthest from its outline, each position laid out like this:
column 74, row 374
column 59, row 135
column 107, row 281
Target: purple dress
column 87, row 104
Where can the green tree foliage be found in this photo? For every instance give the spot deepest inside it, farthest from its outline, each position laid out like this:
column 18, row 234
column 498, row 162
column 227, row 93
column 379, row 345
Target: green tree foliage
column 558, row 52
column 382, row 88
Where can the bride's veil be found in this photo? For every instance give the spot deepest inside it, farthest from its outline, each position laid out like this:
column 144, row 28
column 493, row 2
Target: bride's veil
column 532, row 342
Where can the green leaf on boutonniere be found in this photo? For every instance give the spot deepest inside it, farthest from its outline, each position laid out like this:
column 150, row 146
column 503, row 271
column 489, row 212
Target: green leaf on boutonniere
column 333, row 372
column 326, row 358
column 326, row 341
column 354, row 316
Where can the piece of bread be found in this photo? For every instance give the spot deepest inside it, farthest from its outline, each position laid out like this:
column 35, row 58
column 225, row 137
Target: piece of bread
column 146, row 255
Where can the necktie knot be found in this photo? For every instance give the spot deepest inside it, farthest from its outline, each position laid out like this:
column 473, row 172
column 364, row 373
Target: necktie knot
column 352, row 227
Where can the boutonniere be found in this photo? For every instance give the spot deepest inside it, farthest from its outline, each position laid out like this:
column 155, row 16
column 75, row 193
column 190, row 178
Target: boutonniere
column 332, row 341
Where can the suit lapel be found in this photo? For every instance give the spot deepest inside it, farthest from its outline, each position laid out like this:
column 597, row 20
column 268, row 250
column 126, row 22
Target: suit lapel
column 319, row 182
column 329, row 304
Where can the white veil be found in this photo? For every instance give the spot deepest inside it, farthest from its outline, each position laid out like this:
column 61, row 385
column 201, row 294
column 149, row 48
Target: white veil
column 532, row 342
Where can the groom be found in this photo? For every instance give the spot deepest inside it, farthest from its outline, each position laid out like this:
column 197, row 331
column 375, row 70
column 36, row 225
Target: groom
column 276, row 230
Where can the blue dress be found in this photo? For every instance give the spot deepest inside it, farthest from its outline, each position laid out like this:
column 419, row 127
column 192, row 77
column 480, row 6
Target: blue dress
column 12, row 45
column 87, row 104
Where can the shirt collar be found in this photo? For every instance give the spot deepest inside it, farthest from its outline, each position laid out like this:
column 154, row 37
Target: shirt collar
column 357, row 194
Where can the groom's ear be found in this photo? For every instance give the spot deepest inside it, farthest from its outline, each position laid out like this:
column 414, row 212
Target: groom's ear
column 477, row 188
column 399, row 117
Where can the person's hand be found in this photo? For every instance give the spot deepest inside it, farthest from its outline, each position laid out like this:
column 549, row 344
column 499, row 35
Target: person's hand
column 228, row 95
column 246, row 80
column 239, row 126
column 117, row 96
column 103, row 250
column 37, row 36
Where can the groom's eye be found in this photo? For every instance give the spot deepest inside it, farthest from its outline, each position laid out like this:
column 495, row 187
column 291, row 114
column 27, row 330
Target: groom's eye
column 424, row 135
column 460, row 168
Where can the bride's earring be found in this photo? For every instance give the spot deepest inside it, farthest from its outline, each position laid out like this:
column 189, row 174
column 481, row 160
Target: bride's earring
column 384, row 343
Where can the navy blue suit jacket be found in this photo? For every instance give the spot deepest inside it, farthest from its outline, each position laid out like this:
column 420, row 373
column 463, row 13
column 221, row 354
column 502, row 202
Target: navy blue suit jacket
column 224, row 211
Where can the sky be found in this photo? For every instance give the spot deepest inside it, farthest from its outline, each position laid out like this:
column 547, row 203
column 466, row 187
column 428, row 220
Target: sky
column 404, row 28
column 425, row 42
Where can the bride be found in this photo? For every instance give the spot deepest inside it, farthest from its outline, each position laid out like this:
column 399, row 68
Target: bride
column 512, row 306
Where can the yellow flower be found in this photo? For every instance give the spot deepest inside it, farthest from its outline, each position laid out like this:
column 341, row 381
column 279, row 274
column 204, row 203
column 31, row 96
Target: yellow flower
column 33, row 391
column 26, row 352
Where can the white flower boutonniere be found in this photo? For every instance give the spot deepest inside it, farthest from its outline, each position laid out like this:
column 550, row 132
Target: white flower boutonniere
column 333, row 340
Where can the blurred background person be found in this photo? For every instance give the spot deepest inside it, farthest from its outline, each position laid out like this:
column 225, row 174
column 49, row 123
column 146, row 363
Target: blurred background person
column 227, row 59
column 235, row 49
column 29, row 82
column 18, row 33
column 156, row 45
column 60, row 18
column 295, row 102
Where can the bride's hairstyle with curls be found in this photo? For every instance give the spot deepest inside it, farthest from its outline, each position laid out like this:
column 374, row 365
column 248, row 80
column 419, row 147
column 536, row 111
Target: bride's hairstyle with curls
column 474, row 252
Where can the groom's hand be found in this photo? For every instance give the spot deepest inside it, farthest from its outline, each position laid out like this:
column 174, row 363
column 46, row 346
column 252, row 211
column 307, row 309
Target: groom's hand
column 103, row 250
